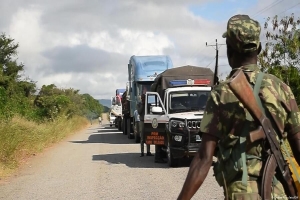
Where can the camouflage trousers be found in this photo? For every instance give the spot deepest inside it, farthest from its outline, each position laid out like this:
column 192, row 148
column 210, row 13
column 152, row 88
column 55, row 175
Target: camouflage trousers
column 236, row 191
column 141, row 126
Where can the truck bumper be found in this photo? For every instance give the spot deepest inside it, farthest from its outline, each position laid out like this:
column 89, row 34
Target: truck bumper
column 187, row 151
column 186, row 146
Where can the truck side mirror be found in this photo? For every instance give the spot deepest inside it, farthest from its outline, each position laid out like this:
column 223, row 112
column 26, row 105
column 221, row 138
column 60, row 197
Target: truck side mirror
column 157, row 110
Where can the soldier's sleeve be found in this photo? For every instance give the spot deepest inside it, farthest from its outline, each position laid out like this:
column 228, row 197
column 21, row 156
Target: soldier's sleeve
column 292, row 125
column 211, row 123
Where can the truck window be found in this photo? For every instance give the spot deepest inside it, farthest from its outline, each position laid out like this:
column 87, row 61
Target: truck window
column 112, row 115
column 184, row 101
column 143, row 87
column 152, row 101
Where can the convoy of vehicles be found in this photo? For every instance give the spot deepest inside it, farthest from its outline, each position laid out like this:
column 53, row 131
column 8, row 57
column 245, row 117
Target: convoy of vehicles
column 174, row 105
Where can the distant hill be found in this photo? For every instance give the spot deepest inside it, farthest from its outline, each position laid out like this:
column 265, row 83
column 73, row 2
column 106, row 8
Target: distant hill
column 106, row 109
column 105, row 102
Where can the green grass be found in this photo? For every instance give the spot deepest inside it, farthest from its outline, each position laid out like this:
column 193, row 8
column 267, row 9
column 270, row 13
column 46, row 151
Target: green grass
column 20, row 138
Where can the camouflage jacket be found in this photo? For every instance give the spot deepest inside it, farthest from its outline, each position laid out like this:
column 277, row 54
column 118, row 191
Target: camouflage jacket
column 224, row 114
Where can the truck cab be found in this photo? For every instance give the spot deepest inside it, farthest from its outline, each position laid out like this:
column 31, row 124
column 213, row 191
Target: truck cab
column 173, row 119
column 117, row 108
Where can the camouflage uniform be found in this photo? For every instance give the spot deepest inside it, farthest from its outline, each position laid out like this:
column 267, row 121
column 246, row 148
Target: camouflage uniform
column 225, row 117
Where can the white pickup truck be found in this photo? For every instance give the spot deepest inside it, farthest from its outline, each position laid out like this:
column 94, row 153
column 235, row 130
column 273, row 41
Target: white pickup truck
column 172, row 120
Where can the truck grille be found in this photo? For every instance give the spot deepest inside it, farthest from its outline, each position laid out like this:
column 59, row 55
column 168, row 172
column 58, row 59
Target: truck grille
column 193, row 124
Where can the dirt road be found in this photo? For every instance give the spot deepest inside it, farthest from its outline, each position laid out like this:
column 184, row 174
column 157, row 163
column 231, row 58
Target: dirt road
column 100, row 163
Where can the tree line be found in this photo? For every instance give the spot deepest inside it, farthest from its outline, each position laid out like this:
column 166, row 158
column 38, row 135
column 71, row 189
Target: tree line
column 20, row 96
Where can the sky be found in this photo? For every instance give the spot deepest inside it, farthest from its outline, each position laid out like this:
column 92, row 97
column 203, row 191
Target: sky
column 86, row 44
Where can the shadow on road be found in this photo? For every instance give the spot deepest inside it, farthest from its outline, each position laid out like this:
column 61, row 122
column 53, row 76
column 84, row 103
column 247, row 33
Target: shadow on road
column 106, row 135
column 135, row 161
column 109, row 138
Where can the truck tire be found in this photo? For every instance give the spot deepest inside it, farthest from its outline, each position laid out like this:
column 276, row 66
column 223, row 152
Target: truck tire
column 124, row 126
column 119, row 124
column 172, row 162
column 137, row 137
column 129, row 129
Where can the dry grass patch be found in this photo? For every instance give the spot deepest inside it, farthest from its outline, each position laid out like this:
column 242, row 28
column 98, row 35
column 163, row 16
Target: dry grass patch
column 21, row 138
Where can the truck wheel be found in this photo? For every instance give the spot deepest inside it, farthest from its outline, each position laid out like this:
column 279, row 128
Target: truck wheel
column 119, row 125
column 129, row 135
column 124, row 126
column 172, row 162
column 137, row 133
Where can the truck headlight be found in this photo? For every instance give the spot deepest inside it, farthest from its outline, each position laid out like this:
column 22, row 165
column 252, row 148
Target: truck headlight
column 176, row 125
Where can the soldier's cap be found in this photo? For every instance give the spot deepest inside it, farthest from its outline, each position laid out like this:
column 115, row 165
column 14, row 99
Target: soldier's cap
column 243, row 33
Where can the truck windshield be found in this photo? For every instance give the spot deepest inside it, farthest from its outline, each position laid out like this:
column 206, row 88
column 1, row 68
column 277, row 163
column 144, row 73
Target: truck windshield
column 112, row 115
column 143, row 87
column 184, row 101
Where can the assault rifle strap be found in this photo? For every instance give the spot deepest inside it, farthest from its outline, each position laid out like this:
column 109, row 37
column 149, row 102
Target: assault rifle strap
column 256, row 91
column 246, row 129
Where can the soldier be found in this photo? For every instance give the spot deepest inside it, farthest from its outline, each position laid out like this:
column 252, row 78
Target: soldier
column 141, row 111
column 100, row 120
column 225, row 119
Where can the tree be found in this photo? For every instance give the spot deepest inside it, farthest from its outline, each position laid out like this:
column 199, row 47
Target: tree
column 15, row 92
column 281, row 55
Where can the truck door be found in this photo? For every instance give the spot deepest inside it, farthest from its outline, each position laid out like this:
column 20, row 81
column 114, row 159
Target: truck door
column 155, row 120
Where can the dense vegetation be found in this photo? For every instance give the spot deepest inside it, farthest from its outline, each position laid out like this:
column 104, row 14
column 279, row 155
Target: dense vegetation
column 20, row 96
column 32, row 118
column 281, row 55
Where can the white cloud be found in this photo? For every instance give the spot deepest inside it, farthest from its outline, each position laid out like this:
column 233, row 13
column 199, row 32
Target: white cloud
column 26, row 30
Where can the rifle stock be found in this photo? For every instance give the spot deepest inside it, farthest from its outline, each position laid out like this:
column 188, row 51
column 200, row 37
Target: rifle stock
column 243, row 91
column 240, row 86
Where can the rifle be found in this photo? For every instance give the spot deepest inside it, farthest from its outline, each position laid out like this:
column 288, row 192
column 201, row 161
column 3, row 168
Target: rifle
column 240, row 86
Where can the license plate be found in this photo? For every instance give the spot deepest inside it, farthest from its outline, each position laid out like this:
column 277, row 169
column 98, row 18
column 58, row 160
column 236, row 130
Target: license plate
column 198, row 139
